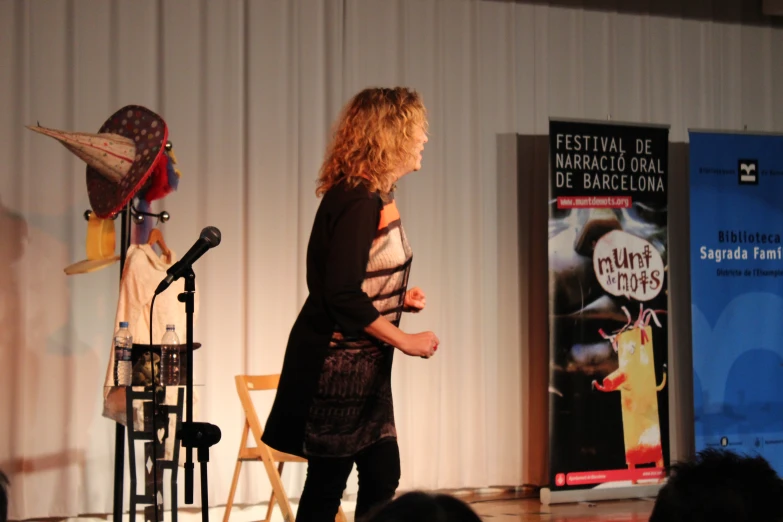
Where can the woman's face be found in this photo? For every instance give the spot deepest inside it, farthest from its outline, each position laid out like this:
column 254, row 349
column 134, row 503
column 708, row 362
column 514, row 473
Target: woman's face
column 413, row 162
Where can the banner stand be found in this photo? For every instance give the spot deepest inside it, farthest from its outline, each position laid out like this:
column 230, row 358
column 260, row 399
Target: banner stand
column 608, row 310
column 590, row 495
column 736, row 263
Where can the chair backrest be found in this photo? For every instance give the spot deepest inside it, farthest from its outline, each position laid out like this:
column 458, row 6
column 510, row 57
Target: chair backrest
column 246, row 384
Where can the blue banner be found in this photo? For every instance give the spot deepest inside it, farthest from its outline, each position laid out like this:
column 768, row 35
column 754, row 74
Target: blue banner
column 736, row 208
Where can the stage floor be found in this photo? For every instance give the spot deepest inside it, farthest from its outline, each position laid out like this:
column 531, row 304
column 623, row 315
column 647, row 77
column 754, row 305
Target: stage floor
column 509, row 507
column 533, row 510
column 491, row 508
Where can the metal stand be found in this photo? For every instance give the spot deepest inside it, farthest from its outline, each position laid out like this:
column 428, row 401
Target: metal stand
column 199, row 435
column 119, row 434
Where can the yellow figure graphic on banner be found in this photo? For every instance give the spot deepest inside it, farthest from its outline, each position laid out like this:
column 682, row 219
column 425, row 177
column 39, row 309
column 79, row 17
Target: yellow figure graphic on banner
column 635, row 379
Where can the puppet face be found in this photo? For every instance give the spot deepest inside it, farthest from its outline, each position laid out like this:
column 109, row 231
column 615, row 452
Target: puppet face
column 635, row 357
column 636, row 361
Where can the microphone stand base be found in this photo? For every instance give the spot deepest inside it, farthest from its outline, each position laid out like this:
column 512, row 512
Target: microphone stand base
column 200, row 436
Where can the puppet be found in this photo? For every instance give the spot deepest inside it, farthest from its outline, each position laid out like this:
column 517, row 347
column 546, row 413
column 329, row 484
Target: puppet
column 635, row 379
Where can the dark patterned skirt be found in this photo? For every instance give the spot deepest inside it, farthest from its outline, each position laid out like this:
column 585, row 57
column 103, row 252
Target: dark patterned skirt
column 352, row 408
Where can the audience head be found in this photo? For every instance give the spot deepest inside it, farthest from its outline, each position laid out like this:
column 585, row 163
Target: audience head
column 720, row 486
column 424, row 507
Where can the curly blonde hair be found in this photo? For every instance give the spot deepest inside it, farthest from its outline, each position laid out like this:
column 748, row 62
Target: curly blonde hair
column 372, row 137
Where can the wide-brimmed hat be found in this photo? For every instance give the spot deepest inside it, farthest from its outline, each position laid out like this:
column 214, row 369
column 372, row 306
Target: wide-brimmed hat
column 120, row 157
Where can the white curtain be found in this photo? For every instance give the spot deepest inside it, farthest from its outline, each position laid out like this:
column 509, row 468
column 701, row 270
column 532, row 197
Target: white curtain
column 249, row 89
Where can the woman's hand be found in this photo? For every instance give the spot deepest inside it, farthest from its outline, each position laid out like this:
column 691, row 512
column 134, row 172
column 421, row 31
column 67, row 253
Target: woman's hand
column 415, row 300
column 423, row 344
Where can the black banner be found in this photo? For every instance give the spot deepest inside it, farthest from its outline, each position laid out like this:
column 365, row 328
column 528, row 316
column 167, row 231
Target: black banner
column 608, row 338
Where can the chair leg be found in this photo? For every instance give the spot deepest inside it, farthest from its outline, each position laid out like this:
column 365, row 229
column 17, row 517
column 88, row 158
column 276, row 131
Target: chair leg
column 277, row 486
column 270, row 507
column 272, row 496
column 235, row 480
column 230, row 501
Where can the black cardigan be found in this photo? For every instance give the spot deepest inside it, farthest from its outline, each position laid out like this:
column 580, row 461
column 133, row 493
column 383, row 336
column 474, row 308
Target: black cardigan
column 337, row 254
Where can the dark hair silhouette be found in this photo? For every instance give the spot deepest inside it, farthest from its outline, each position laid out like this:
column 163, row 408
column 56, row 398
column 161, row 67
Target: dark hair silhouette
column 424, row 507
column 720, row 486
column 3, row 497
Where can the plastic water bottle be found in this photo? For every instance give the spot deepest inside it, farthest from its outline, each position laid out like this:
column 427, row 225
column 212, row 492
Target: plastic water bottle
column 169, row 357
column 123, row 347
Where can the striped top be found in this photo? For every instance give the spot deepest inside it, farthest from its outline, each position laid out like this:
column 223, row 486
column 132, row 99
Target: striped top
column 352, row 408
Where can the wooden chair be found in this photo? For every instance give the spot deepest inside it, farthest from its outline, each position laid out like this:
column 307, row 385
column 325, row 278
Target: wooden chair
column 245, row 384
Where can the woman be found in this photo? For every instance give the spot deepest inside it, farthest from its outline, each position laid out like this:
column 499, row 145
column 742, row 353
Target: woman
column 334, row 402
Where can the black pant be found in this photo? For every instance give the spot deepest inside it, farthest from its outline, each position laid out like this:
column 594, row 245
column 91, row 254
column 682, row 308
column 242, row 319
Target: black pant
column 379, row 475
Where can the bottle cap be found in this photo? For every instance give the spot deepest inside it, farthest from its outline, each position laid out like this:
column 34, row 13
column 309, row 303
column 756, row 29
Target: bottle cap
column 169, row 327
column 123, row 324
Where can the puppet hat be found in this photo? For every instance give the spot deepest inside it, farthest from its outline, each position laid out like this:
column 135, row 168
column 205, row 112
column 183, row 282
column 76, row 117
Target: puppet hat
column 120, row 157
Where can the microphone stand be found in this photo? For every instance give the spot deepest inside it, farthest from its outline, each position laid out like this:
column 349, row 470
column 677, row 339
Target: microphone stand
column 198, row 435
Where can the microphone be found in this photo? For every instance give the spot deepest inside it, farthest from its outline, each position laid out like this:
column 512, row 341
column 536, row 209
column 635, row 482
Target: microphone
column 209, row 238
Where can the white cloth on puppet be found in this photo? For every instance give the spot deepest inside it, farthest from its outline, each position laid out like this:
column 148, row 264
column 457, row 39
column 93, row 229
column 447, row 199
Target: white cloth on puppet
column 144, row 270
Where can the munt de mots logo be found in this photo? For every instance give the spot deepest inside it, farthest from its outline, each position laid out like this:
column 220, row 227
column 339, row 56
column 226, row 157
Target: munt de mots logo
column 748, row 170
